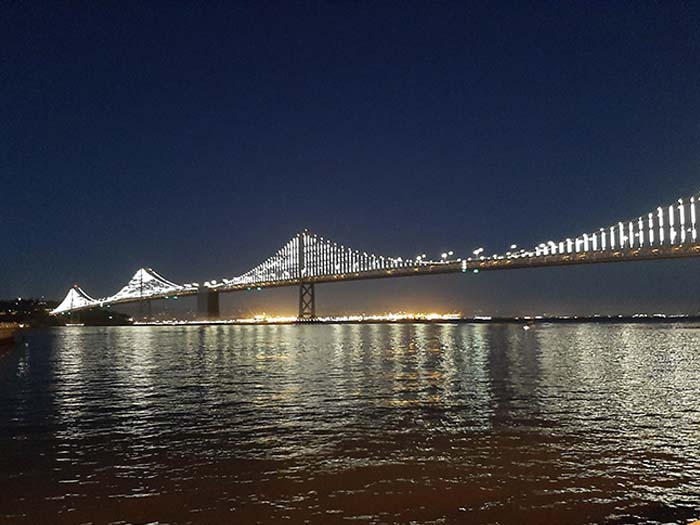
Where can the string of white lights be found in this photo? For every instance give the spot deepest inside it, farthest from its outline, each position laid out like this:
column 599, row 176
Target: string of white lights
column 75, row 298
column 307, row 256
column 671, row 225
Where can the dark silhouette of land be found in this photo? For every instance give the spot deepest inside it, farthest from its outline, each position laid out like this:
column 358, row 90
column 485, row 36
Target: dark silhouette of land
column 36, row 313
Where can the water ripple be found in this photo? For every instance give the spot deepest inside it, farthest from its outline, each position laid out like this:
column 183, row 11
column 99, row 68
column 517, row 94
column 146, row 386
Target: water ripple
column 368, row 424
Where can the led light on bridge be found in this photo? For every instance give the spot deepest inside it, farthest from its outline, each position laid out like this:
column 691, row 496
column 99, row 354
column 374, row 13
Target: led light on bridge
column 693, row 231
column 310, row 255
column 621, row 235
column 672, row 230
column 681, row 218
column 631, row 233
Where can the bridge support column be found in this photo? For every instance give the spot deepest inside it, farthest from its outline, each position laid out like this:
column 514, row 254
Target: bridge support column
column 207, row 304
column 145, row 310
column 74, row 318
column 307, row 302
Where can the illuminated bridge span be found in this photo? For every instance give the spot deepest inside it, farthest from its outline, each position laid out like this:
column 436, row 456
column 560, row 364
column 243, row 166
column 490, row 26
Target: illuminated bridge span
column 666, row 232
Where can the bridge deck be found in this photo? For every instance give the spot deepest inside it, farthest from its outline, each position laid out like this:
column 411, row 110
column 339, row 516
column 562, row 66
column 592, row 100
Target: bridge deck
column 464, row 266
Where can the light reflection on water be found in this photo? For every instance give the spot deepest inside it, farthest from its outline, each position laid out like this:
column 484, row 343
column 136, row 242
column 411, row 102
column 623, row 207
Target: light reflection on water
column 373, row 423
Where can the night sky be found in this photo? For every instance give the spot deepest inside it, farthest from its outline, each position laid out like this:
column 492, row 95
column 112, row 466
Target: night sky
column 198, row 138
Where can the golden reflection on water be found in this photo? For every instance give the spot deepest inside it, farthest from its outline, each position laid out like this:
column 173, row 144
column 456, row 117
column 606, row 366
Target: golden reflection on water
column 375, row 423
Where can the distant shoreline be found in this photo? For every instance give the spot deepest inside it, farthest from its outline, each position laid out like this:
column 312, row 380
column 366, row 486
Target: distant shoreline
column 621, row 319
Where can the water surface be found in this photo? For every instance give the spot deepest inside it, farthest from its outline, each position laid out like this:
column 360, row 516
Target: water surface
column 352, row 424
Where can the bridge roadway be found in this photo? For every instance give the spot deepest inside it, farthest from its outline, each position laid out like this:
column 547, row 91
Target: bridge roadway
column 463, row 266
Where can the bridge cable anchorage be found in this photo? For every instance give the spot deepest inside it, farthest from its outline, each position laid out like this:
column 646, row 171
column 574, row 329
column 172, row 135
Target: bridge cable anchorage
column 665, row 232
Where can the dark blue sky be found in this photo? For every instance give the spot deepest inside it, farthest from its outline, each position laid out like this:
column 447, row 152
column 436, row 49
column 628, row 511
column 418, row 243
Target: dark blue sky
column 197, row 138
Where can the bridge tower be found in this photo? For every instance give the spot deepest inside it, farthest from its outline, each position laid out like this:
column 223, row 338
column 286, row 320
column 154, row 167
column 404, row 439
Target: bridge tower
column 207, row 304
column 307, row 295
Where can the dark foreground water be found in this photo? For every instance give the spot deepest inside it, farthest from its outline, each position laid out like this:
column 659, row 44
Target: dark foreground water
column 352, row 424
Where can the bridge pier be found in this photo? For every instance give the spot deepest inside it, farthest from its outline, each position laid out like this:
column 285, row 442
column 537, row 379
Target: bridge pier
column 307, row 302
column 207, row 304
column 145, row 310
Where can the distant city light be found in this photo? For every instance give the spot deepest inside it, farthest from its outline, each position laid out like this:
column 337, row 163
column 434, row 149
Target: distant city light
column 265, row 319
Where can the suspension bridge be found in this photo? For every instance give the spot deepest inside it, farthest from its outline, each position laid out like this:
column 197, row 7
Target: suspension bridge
column 666, row 232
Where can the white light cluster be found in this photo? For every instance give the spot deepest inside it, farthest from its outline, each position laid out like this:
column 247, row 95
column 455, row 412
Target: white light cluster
column 665, row 226
column 144, row 284
column 308, row 255
column 264, row 319
column 284, row 265
column 75, row 298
